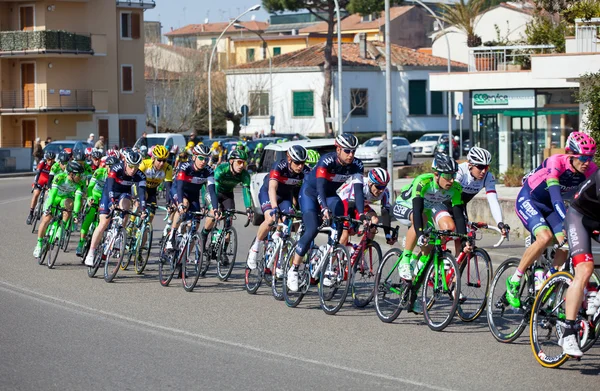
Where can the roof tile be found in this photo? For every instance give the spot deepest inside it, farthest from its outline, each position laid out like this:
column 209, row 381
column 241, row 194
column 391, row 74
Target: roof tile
column 213, row 28
column 353, row 22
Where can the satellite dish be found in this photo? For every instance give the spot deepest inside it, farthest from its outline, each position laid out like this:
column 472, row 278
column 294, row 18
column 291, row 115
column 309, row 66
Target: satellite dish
column 253, row 17
column 206, row 21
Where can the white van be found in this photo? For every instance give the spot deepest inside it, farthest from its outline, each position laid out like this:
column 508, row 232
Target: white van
column 166, row 139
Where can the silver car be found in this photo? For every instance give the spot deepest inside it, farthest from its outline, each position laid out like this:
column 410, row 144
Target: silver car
column 367, row 152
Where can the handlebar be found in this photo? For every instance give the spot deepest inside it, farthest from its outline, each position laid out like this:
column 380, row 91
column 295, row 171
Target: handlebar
column 479, row 225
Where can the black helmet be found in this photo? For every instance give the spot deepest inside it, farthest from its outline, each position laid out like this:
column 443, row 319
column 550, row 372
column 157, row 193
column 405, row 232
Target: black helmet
column 78, row 156
column 346, row 140
column 74, row 167
column 97, row 154
column 111, row 161
column 49, row 155
column 298, row 153
column 201, row 150
column 444, row 164
column 64, row 157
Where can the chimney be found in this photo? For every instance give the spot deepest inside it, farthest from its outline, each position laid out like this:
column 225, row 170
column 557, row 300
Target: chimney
column 362, row 45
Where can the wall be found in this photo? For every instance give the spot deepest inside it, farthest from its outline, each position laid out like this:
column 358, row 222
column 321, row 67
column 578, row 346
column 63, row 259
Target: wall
column 411, row 29
column 287, row 46
column 67, row 16
column 131, row 52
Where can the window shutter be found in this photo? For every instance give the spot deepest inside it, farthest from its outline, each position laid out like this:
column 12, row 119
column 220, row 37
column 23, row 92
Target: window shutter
column 417, row 97
column 135, row 26
column 437, row 102
column 304, row 105
column 127, row 79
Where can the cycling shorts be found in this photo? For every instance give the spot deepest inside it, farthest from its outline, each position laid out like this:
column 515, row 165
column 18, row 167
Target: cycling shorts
column 580, row 232
column 151, row 195
column 351, row 211
column 225, row 201
column 60, row 202
column 106, row 203
column 403, row 212
column 535, row 215
column 284, row 205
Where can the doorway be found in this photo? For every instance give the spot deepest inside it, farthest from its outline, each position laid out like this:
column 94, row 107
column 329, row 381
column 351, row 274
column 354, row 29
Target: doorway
column 28, row 84
column 127, row 132
column 103, row 131
column 26, row 18
column 28, row 132
column 486, row 136
column 522, row 151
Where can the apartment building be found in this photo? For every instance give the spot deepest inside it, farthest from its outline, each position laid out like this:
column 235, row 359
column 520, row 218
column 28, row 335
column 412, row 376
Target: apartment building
column 70, row 68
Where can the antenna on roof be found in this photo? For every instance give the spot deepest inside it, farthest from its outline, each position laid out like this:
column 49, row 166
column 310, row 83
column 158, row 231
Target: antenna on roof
column 253, row 17
column 206, row 19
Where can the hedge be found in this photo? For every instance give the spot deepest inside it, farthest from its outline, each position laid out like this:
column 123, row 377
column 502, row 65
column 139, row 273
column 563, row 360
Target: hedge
column 45, row 39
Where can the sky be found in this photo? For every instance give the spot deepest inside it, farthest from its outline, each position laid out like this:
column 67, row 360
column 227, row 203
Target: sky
column 178, row 13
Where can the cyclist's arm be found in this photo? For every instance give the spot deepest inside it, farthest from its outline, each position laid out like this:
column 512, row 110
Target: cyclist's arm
column 357, row 183
column 418, row 204
column 492, row 197
column 555, row 197
column 212, row 192
column 321, row 179
column 273, row 185
column 246, row 189
column 77, row 200
column 90, row 188
column 168, row 182
column 39, row 172
column 142, row 193
column 385, row 211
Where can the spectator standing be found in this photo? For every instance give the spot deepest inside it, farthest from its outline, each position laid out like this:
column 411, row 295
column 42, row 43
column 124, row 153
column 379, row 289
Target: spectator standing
column 48, row 141
column 91, row 139
column 382, row 152
column 262, row 134
column 38, row 151
column 100, row 143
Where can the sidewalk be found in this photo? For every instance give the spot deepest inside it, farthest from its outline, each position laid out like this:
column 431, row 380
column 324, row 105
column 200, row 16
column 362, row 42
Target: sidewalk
column 22, row 174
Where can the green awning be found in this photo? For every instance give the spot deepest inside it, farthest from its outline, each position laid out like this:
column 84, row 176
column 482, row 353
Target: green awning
column 519, row 113
column 558, row 111
column 526, row 112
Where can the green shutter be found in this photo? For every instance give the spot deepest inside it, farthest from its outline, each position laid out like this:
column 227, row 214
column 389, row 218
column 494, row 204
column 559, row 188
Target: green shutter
column 249, row 55
column 276, row 51
column 417, row 97
column 304, row 105
column 437, row 102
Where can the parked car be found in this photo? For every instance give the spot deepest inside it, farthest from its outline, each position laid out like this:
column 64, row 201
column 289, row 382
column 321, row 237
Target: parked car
column 166, row 139
column 274, row 153
column 427, row 144
column 367, row 152
column 59, row 145
column 466, row 146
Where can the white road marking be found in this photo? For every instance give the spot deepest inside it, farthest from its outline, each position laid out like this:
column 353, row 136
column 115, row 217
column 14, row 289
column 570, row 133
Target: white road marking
column 15, row 200
column 85, row 310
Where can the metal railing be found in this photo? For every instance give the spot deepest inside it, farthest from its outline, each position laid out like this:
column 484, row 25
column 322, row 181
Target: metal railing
column 44, row 41
column 136, row 3
column 586, row 35
column 504, row 58
column 46, row 100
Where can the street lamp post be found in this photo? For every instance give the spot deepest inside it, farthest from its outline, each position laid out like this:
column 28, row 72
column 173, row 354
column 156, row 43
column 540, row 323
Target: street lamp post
column 339, row 39
column 251, row 9
column 265, row 47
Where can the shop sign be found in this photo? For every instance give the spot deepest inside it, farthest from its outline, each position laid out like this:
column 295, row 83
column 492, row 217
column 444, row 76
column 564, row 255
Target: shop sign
column 513, row 99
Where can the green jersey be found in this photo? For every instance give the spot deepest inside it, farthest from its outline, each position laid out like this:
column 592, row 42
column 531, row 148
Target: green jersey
column 64, row 188
column 56, row 169
column 226, row 181
column 425, row 186
column 97, row 182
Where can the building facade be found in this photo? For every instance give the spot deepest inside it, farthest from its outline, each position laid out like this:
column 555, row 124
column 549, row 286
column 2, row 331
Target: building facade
column 68, row 69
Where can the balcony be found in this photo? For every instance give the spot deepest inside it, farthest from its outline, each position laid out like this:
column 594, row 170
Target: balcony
column 143, row 4
column 49, row 43
column 504, row 58
column 586, row 35
column 53, row 100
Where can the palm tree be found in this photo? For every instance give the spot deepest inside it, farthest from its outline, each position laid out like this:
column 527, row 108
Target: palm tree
column 463, row 15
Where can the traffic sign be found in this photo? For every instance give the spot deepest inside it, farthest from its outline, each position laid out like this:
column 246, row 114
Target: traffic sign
column 245, row 110
column 272, row 120
column 460, row 108
column 245, row 120
column 156, row 110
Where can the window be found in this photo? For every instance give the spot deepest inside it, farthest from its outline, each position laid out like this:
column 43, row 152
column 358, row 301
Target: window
column 359, row 102
column 126, row 78
column 304, row 104
column 259, row 103
column 437, row 102
column 130, row 25
column 276, row 51
column 417, row 97
column 213, row 41
column 249, row 55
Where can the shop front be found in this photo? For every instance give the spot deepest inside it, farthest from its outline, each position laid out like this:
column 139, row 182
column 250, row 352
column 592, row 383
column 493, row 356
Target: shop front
column 522, row 127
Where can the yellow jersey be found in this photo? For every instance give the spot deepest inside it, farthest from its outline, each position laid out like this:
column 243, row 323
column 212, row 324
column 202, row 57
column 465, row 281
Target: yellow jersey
column 155, row 177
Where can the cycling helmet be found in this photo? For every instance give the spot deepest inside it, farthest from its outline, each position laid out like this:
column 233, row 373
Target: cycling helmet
column 111, row 161
column 580, row 143
column 78, row 156
column 75, row 168
column 160, row 152
column 444, row 164
column 313, row 157
column 175, row 149
column 97, row 154
column 88, row 151
column 201, row 150
column 133, row 158
column 259, row 146
column 113, row 152
column 215, row 145
column 297, row 153
column 346, row 140
column 379, row 176
column 68, row 150
column 49, row 155
column 238, row 154
column 279, row 141
column 240, row 144
column 63, row 157
column 478, row 155
column 189, row 145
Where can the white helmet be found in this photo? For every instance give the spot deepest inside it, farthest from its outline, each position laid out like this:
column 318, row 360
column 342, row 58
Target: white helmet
column 478, row 155
column 346, row 140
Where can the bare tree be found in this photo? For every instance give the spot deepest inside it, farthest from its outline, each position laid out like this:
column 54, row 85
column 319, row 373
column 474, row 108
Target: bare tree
column 358, row 100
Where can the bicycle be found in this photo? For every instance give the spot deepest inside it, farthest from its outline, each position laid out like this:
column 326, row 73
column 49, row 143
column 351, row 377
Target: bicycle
column 113, row 249
column 139, row 241
column 222, row 246
column 268, row 260
column 38, row 209
column 438, row 282
column 189, row 245
column 53, row 238
column 90, row 231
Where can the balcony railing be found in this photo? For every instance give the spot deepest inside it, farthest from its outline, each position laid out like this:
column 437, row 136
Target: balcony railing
column 146, row 4
column 62, row 100
column 44, row 41
column 504, row 58
column 586, row 35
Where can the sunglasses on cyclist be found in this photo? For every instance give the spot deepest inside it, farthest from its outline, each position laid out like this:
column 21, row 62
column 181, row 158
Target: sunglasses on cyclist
column 481, row 167
column 239, row 162
column 349, row 151
column 133, row 165
column 161, row 160
column 380, row 187
column 584, row 158
column 200, row 158
column 448, row 176
column 298, row 163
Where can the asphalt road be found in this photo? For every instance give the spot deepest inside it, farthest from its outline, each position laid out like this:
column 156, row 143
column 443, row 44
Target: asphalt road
column 61, row 330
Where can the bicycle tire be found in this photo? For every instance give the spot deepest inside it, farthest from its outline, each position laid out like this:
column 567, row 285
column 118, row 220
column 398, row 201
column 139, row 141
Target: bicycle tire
column 67, row 237
column 167, row 267
column 143, row 252
column 92, row 270
column 504, row 327
column 392, row 293
column 44, row 252
column 191, row 264
column 226, row 254
column 293, row 299
column 253, row 277
column 277, row 283
column 475, row 278
column 37, row 213
column 130, row 249
column 434, row 294
column 112, row 264
column 333, row 297
column 55, row 245
column 363, row 275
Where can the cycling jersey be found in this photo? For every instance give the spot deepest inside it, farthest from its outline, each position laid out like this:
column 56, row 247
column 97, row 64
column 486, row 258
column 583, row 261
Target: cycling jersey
column 583, row 217
column 55, row 170
column 64, row 188
column 43, row 173
column 472, row 186
column 226, row 181
column 289, row 183
column 190, row 181
column 216, row 155
column 587, row 198
column 97, row 182
column 346, row 193
column 155, row 177
column 118, row 183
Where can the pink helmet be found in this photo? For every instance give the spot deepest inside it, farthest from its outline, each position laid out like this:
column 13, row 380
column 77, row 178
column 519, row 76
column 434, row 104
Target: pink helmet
column 580, row 143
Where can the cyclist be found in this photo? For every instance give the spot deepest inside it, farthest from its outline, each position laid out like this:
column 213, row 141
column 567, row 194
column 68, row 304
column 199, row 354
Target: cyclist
column 79, row 157
column 66, row 192
column 117, row 192
column 227, row 177
column 94, row 193
column 540, row 204
column 157, row 171
column 59, row 166
column 95, row 157
column 583, row 217
column 374, row 189
column 257, row 154
column 217, row 153
column 189, row 147
column 313, row 158
column 318, row 195
column 40, row 181
column 422, row 203
column 279, row 192
column 186, row 194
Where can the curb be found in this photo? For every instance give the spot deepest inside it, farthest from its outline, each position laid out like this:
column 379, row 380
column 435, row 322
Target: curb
column 17, row 174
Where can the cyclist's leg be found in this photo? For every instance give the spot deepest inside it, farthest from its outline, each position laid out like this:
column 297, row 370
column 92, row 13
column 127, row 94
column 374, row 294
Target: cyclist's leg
column 151, row 198
column 44, row 222
column 349, row 210
column 310, row 217
column 103, row 222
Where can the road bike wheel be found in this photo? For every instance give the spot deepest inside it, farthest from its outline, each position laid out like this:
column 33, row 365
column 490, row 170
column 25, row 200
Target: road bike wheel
column 292, row 299
column 167, row 266
column 337, row 274
column 505, row 322
column 97, row 262
column 67, row 236
column 116, row 252
column 143, row 249
column 439, row 303
column 277, row 282
column 130, row 249
column 55, row 246
column 392, row 293
column 475, row 277
column 45, row 248
column 226, row 254
column 253, row 277
column 192, row 263
column 37, row 213
column 363, row 275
